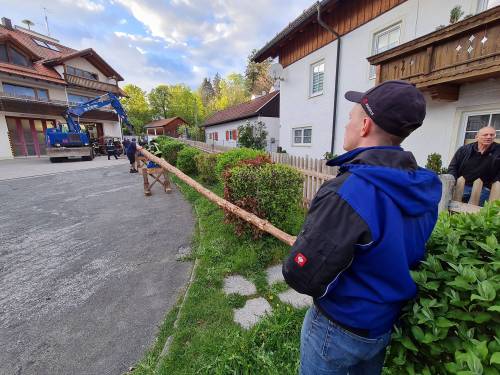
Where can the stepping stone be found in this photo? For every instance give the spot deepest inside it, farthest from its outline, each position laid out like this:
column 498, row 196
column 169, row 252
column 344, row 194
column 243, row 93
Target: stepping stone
column 252, row 312
column 183, row 252
column 274, row 275
column 295, row 299
column 238, row 284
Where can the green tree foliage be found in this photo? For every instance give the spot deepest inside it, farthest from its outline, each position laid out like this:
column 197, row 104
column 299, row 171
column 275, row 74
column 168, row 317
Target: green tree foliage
column 216, row 84
column 252, row 135
column 257, row 75
column 137, row 107
column 434, row 163
column 453, row 326
column 186, row 104
column 159, row 101
column 206, row 91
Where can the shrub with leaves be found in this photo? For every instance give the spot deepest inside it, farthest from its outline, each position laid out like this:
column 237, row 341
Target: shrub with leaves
column 435, row 163
column 270, row 191
column 252, row 135
column 186, row 161
column 453, row 327
column 205, row 163
column 169, row 148
column 230, row 158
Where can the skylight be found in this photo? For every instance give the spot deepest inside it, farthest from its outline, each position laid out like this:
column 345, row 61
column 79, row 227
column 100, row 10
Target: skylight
column 44, row 44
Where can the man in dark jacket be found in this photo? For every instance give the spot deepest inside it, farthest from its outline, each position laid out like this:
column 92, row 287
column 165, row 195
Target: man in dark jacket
column 480, row 159
column 111, row 149
column 131, row 151
column 363, row 233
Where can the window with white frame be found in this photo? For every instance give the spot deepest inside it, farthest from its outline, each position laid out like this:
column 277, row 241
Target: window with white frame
column 474, row 122
column 302, row 136
column 483, row 5
column 317, row 78
column 384, row 40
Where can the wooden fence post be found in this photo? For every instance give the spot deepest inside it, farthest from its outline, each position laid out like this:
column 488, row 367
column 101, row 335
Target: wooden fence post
column 476, row 192
column 495, row 192
column 448, row 182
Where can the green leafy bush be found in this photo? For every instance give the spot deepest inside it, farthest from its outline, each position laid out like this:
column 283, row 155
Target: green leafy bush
column 186, row 161
column 453, row 327
column 169, row 148
column 270, row 191
column 435, row 163
column 230, row 158
column 252, row 135
column 205, row 163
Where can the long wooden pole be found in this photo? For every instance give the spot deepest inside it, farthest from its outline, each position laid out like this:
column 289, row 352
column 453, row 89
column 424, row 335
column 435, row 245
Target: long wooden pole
column 262, row 224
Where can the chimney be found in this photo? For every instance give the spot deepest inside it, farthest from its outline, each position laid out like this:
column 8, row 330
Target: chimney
column 7, row 23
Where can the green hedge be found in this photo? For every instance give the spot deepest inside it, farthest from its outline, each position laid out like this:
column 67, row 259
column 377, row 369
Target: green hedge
column 453, row 327
column 231, row 158
column 205, row 164
column 169, row 148
column 271, row 191
column 186, row 160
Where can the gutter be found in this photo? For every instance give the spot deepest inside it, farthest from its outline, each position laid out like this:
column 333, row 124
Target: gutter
column 335, row 94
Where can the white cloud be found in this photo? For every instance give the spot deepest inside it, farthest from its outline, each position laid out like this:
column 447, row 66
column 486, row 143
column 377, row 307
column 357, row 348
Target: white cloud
column 89, row 5
column 136, row 37
column 141, row 51
column 123, row 21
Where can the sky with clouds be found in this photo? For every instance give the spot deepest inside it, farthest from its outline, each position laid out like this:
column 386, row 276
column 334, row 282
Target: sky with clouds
column 151, row 42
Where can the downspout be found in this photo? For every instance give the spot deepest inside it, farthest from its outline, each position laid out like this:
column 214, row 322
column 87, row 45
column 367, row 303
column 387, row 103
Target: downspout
column 335, row 93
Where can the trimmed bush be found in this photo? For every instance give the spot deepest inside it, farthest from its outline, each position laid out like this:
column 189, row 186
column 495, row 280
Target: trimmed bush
column 186, row 160
column 169, row 148
column 205, row 163
column 230, row 158
column 270, row 191
column 453, row 327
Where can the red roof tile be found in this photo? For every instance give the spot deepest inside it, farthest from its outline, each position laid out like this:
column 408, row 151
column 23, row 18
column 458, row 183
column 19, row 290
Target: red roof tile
column 162, row 122
column 240, row 111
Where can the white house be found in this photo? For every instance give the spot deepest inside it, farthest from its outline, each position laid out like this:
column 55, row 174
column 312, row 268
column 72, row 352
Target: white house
column 221, row 129
column 39, row 79
column 457, row 67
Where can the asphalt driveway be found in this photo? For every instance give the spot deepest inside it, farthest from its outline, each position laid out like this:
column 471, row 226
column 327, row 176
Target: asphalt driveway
column 87, row 270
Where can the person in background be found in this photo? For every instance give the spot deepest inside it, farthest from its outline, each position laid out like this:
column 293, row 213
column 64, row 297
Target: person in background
column 480, row 159
column 131, row 151
column 125, row 144
column 111, row 149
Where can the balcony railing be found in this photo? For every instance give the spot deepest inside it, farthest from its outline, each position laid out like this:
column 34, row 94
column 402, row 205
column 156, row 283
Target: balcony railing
column 440, row 61
column 90, row 84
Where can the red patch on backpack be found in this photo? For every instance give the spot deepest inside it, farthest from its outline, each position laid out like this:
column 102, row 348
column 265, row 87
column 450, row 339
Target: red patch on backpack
column 300, row 259
column 365, row 100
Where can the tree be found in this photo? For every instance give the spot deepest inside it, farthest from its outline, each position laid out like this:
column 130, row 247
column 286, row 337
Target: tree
column 137, row 107
column 184, row 103
column 28, row 23
column 257, row 75
column 159, row 101
column 216, row 84
column 252, row 135
column 207, row 92
column 232, row 91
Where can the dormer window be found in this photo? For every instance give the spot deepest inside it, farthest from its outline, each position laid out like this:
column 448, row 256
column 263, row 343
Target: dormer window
column 81, row 73
column 11, row 55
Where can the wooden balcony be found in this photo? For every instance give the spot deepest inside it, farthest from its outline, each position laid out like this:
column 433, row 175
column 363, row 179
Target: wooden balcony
column 439, row 62
column 90, row 84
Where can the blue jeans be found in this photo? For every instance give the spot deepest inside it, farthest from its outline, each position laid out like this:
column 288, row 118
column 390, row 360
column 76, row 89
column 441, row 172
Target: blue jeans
column 327, row 349
column 485, row 193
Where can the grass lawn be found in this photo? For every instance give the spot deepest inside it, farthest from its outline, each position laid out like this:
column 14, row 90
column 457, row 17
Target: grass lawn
column 206, row 340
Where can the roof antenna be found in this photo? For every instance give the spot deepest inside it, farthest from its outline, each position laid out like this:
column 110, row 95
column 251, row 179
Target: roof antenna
column 46, row 21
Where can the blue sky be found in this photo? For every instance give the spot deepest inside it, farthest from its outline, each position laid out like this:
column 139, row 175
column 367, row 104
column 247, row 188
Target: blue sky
column 153, row 42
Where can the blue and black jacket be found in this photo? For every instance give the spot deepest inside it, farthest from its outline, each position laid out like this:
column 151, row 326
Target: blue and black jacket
column 364, row 232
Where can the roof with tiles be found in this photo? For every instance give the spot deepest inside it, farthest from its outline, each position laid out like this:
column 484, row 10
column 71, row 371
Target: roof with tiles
column 163, row 122
column 43, row 58
column 241, row 111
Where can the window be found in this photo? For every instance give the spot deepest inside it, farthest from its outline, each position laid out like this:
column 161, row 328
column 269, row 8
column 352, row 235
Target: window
column 26, row 92
column 13, row 56
column 384, row 40
column 302, row 136
column 232, row 135
column 44, row 44
column 483, row 5
column 476, row 122
column 77, row 99
column 81, row 73
column 317, row 78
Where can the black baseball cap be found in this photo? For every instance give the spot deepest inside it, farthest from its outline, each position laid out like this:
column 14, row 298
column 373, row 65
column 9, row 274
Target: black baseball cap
column 398, row 107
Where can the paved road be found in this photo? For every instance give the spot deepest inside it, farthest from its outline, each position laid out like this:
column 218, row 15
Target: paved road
column 87, row 270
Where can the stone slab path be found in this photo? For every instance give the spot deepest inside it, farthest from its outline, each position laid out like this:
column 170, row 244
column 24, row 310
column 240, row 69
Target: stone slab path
column 257, row 308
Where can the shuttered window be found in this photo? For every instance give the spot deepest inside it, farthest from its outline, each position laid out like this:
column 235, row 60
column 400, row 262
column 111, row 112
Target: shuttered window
column 317, row 78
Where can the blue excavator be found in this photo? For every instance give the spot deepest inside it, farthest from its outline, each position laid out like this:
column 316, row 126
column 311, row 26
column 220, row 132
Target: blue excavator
column 73, row 141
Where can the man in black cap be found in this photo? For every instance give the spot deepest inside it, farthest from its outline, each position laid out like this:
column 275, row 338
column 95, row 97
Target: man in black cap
column 363, row 233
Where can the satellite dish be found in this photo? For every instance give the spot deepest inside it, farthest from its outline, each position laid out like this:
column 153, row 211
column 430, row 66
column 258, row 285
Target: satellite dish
column 276, row 72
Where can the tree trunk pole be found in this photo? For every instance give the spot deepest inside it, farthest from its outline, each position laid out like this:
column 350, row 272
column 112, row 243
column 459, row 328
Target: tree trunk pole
column 262, row 224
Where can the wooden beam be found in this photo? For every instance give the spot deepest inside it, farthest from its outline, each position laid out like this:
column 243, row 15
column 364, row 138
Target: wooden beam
column 447, row 92
column 262, row 224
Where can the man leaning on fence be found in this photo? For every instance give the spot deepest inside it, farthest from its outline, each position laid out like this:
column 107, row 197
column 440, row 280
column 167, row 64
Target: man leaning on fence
column 364, row 232
column 480, row 159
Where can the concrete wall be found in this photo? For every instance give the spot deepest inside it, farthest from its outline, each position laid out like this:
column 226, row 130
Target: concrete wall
column 297, row 109
column 5, row 150
column 272, row 128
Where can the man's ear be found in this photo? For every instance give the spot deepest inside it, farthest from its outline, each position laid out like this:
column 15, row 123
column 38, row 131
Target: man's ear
column 367, row 126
